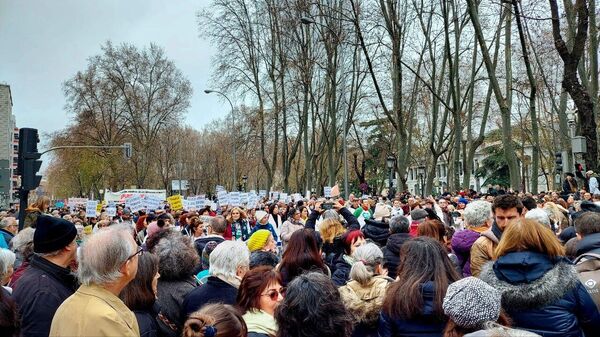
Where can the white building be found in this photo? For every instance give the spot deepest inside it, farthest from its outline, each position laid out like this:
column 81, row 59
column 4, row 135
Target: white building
column 9, row 145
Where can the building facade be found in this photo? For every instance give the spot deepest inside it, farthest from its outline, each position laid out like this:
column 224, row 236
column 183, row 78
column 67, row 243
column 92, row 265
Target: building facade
column 9, row 146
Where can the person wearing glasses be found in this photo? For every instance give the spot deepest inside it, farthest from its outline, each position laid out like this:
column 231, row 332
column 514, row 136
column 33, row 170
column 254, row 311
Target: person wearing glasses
column 108, row 261
column 48, row 281
column 258, row 296
column 8, row 228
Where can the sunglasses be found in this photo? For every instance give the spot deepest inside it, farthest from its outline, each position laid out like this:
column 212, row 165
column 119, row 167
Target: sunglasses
column 140, row 251
column 274, row 294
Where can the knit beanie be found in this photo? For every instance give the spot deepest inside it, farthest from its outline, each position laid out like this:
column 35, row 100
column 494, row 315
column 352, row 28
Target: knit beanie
column 470, row 302
column 260, row 215
column 52, row 234
column 258, row 240
column 208, row 248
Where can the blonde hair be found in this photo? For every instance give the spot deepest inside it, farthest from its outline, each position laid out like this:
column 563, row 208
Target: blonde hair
column 529, row 235
column 242, row 214
column 330, row 229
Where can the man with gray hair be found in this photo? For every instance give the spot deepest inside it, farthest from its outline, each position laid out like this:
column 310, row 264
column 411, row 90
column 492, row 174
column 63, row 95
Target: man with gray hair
column 108, row 261
column 229, row 262
column 478, row 218
column 540, row 215
column 48, row 280
column 8, row 228
column 399, row 227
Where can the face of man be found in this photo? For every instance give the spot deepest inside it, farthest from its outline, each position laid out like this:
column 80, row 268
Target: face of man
column 13, row 226
column 443, row 204
column 587, row 196
column 505, row 217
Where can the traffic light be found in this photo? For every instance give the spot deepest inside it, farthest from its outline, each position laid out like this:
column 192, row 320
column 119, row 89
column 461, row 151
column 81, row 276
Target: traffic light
column 558, row 161
column 28, row 163
column 127, row 150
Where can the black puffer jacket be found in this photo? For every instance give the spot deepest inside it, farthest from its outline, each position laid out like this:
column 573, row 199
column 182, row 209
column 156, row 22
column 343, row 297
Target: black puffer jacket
column 377, row 231
column 341, row 275
column 391, row 252
column 543, row 295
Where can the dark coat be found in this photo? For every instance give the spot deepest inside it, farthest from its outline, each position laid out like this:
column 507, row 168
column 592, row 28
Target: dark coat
column 351, row 220
column 543, row 295
column 268, row 227
column 333, row 250
column 391, row 252
column 589, row 244
column 214, row 290
column 147, row 321
column 341, row 275
column 201, row 242
column 426, row 325
column 377, row 231
column 462, row 242
column 171, row 294
column 39, row 292
column 256, row 334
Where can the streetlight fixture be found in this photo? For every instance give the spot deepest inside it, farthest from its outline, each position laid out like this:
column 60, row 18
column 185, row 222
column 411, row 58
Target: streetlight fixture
column 421, row 173
column 391, row 163
column 307, row 21
column 245, row 180
column 209, row 91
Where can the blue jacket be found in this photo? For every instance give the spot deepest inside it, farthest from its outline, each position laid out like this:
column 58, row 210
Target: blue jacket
column 268, row 227
column 427, row 325
column 341, row 274
column 543, row 295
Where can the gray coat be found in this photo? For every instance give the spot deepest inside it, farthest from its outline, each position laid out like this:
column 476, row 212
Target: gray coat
column 170, row 300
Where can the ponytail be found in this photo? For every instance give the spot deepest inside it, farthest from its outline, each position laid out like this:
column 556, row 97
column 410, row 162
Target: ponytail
column 368, row 257
column 362, row 272
column 215, row 320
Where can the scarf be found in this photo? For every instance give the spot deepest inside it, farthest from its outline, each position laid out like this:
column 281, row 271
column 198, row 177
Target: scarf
column 259, row 321
column 496, row 230
column 233, row 281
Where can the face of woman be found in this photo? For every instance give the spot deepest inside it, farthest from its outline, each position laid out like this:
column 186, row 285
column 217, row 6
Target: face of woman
column 297, row 215
column 359, row 242
column 270, row 298
column 235, row 215
column 155, row 283
column 305, row 213
column 271, row 245
column 276, row 210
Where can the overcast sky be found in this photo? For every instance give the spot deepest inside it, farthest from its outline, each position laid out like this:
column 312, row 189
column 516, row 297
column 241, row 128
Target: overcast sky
column 43, row 43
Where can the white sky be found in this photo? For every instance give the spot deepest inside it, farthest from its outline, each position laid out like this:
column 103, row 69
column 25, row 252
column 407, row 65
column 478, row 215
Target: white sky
column 43, row 43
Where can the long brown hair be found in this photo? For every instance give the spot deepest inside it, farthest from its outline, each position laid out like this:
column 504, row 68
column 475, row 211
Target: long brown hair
column 301, row 255
column 138, row 294
column 455, row 330
column 422, row 259
column 529, row 235
column 254, row 283
column 433, row 229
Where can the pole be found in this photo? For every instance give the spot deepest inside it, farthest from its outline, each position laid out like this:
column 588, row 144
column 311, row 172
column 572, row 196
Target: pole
column 390, row 187
column 23, row 196
column 345, row 148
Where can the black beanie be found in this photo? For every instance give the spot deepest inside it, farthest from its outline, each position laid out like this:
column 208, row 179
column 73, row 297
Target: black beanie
column 52, row 234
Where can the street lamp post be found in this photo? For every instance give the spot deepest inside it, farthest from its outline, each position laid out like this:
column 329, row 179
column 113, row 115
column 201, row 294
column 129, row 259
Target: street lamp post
column 391, row 163
column 208, row 91
column 421, row 178
column 245, row 180
column 310, row 21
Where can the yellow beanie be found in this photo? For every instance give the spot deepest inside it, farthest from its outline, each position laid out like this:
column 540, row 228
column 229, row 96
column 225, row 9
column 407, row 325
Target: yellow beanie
column 258, row 240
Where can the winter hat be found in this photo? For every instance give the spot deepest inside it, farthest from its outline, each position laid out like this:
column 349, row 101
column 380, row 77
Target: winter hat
column 258, row 240
column 52, row 234
column 208, row 248
column 381, row 211
column 470, row 302
column 260, row 215
column 418, row 214
column 463, row 200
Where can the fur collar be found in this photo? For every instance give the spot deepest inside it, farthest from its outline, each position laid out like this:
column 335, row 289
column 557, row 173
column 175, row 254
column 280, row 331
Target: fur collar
column 546, row 290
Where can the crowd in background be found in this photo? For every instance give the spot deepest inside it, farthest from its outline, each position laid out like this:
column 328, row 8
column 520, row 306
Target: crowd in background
column 499, row 264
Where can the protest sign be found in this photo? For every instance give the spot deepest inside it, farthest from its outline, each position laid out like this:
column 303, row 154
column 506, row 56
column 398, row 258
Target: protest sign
column 90, row 208
column 234, row 199
column 176, row 202
column 111, row 211
column 327, row 192
column 152, row 202
column 135, row 203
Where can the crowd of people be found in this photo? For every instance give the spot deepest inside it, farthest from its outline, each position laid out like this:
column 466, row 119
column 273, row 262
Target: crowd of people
column 469, row 264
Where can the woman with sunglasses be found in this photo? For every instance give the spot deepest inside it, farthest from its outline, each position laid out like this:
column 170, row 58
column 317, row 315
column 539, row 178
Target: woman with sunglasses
column 258, row 296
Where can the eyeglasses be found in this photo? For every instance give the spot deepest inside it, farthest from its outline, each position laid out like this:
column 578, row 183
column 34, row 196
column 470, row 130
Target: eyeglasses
column 274, row 294
column 140, row 251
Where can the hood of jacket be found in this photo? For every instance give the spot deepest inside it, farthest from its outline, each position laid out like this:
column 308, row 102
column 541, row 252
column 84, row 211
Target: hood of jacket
column 530, row 280
column 377, row 231
column 490, row 235
column 588, row 244
column 364, row 302
column 395, row 242
column 463, row 240
column 259, row 321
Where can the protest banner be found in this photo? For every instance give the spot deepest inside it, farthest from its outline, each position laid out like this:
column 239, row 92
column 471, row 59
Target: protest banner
column 176, row 202
column 90, row 208
column 135, row 203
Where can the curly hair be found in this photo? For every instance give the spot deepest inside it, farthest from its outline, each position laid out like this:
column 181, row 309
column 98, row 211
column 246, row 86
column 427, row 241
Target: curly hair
column 178, row 257
column 330, row 229
column 312, row 297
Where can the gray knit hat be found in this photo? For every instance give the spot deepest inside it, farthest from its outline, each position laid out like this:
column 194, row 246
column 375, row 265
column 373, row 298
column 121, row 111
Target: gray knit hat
column 470, row 302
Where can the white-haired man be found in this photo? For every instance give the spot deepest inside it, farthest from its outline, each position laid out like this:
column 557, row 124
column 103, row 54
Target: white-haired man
column 478, row 218
column 108, row 261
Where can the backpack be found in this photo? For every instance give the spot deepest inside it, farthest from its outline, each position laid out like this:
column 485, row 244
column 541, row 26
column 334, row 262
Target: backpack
column 589, row 274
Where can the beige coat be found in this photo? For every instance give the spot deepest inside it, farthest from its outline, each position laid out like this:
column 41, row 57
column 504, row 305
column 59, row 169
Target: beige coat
column 287, row 229
column 364, row 302
column 482, row 251
column 94, row 311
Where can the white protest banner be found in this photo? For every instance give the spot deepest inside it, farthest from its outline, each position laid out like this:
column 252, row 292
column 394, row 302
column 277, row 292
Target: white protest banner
column 90, row 208
column 77, row 201
column 297, row 197
column 152, row 202
column 274, row 195
column 244, row 198
column 135, row 203
column 253, row 191
column 262, row 193
column 252, row 201
column 327, row 192
column 234, row 199
column 283, row 197
column 200, row 201
column 219, row 188
column 187, row 204
column 111, row 211
column 224, row 200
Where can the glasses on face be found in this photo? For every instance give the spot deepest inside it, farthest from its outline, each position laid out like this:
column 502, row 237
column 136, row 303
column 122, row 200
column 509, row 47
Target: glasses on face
column 140, row 251
column 274, row 294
